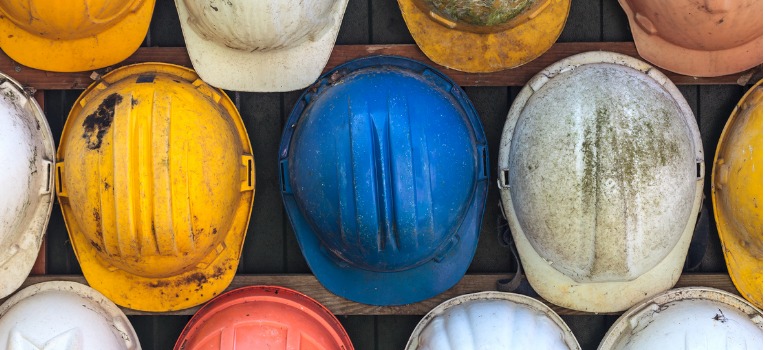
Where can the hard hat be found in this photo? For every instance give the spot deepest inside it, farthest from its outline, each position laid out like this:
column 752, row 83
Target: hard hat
column 698, row 38
column 688, row 318
column 484, row 36
column 72, row 36
column 263, row 317
column 26, row 181
column 737, row 194
column 155, row 177
column 383, row 172
column 601, row 176
column 64, row 315
column 265, row 45
column 492, row 320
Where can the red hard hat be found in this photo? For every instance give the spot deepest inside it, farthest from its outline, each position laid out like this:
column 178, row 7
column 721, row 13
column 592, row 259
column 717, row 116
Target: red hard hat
column 263, row 317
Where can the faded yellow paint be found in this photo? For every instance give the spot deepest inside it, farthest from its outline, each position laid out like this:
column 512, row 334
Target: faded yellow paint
column 737, row 194
column 487, row 52
column 155, row 177
column 72, row 36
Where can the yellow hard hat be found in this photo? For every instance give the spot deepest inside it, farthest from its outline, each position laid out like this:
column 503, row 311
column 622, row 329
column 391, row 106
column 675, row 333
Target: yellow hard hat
column 72, row 36
column 737, row 194
column 485, row 35
column 156, row 178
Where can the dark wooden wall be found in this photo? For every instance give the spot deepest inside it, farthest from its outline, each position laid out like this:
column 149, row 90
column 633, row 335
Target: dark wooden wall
column 271, row 247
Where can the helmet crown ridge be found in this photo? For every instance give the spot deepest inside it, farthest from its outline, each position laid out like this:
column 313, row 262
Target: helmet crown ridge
column 157, row 218
column 387, row 199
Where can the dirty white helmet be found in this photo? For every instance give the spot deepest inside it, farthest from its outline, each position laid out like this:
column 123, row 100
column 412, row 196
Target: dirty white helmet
column 491, row 320
column 688, row 318
column 601, row 175
column 26, row 180
column 64, row 315
column 263, row 45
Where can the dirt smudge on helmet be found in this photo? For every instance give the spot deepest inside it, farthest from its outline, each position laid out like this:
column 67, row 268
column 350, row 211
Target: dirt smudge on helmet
column 98, row 123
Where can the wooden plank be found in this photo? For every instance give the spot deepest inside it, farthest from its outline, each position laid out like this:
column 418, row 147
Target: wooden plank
column 42, row 80
column 39, row 267
column 471, row 283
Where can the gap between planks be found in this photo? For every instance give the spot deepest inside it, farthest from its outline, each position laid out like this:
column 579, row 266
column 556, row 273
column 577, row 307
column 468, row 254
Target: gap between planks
column 518, row 76
column 39, row 267
column 471, row 283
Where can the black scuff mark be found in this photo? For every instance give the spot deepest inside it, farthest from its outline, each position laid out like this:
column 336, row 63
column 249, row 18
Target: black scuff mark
column 720, row 317
column 98, row 123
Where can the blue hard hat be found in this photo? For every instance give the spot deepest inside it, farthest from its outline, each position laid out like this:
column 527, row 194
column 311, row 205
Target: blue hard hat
column 384, row 176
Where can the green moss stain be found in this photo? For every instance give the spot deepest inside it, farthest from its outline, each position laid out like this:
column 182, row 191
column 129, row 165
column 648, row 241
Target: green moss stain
column 629, row 152
column 481, row 12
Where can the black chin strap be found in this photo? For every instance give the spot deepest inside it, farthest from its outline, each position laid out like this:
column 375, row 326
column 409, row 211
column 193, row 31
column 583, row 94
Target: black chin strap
column 506, row 240
column 517, row 283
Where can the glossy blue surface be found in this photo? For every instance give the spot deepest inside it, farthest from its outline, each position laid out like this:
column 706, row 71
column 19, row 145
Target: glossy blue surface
column 384, row 177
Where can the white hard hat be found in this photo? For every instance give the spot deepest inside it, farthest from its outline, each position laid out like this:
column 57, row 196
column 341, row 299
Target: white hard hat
column 26, row 181
column 64, row 315
column 601, row 176
column 491, row 320
column 688, row 318
column 260, row 46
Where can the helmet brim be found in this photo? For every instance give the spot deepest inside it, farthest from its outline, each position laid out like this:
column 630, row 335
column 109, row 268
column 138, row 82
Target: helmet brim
column 390, row 288
column 483, row 53
column 109, row 47
column 275, row 70
column 696, row 63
